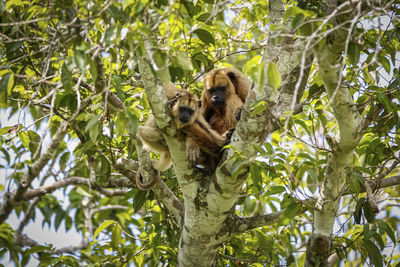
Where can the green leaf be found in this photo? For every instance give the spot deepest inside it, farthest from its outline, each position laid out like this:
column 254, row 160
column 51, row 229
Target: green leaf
column 256, row 175
column 80, row 59
column 36, row 249
column 259, row 108
column 116, row 236
column 6, row 156
column 260, row 76
column 111, row 34
column 205, row 36
column 379, row 240
column 83, row 192
column 358, row 210
column 102, row 226
column 94, row 119
column 303, row 125
column 139, row 200
column 59, row 218
column 66, row 77
column 24, row 137
column 297, row 20
column 273, row 75
column 182, row 61
column 34, row 141
column 373, row 253
column 276, row 189
column 130, row 194
column 5, row 130
column 354, row 53
column 63, row 160
column 368, row 212
column 92, row 68
column 289, row 213
column 384, row 227
column 368, row 77
column 103, row 170
column 385, row 63
column 10, row 84
column 133, row 123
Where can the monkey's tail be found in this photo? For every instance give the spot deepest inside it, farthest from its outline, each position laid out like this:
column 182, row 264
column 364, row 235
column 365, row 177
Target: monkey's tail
column 163, row 163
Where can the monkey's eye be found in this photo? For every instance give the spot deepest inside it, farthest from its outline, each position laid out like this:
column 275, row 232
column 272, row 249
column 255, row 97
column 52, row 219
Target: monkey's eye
column 220, row 88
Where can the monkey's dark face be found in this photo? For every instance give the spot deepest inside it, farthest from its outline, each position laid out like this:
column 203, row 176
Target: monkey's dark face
column 186, row 109
column 217, row 95
column 218, row 85
column 185, row 113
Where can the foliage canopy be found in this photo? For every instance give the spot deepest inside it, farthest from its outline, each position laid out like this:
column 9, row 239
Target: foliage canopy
column 71, row 74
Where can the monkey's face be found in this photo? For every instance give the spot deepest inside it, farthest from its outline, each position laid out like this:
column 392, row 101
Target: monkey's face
column 218, row 85
column 186, row 109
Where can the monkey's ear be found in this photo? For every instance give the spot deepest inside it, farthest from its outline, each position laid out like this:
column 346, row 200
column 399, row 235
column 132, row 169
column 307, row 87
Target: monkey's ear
column 199, row 103
column 231, row 76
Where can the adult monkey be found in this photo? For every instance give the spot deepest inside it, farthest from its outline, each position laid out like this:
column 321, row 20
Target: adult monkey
column 225, row 91
column 185, row 109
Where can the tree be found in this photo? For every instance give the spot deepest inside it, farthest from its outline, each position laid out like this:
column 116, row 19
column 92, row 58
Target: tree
column 316, row 145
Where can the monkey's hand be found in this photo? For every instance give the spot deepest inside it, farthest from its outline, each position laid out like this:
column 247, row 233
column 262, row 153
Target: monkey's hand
column 192, row 150
column 228, row 136
column 238, row 113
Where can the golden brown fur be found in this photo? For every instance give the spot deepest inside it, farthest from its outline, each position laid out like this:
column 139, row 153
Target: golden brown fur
column 235, row 87
column 185, row 109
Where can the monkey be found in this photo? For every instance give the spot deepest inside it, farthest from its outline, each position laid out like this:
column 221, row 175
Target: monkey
column 225, row 91
column 185, row 109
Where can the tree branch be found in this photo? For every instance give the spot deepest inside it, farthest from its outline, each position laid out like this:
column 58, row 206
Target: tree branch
column 236, row 225
column 160, row 189
column 33, row 170
column 75, row 180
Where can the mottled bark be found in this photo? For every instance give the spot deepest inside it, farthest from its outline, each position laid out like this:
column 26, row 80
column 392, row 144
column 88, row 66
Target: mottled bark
column 342, row 147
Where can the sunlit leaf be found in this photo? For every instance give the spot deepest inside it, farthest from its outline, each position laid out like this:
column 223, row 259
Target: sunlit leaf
column 273, row 75
column 102, row 226
column 116, row 235
column 289, row 213
column 182, row 61
column 24, row 137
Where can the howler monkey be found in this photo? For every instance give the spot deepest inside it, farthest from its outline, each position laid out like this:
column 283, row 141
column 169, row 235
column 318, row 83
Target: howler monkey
column 225, row 91
column 185, row 109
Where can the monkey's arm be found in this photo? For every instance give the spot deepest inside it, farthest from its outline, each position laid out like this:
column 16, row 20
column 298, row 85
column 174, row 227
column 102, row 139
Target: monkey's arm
column 214, row 135
column 202, row 137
